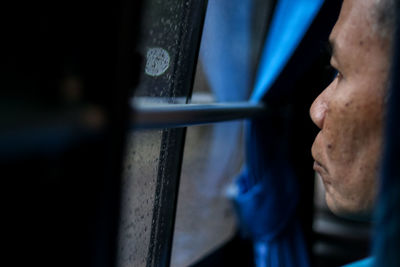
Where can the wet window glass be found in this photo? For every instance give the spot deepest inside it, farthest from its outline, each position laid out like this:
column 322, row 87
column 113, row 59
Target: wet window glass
column 138, row 193
column 168, row 44
column 213, row 156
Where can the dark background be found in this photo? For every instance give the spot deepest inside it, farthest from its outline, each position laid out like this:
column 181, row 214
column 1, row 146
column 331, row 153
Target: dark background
column 67, row 69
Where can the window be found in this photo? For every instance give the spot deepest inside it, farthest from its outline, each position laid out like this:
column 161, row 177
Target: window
column 177, row 172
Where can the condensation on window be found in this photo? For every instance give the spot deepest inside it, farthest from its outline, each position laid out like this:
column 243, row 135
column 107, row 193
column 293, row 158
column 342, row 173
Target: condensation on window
column 205, row 219
column 138, row 196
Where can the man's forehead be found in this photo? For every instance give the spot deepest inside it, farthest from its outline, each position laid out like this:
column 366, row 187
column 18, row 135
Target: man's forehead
column 353, row 24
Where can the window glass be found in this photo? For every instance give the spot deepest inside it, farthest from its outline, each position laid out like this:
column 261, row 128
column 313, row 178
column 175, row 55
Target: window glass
column 138, row 197
column 213, row 156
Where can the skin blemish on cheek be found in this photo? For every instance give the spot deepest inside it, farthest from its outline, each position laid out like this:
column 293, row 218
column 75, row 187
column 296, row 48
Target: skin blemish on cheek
column 361, row 43
column 347, row 104
column 329, row 146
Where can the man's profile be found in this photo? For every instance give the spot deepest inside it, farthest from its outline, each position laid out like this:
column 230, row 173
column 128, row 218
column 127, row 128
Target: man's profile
column 350, row 111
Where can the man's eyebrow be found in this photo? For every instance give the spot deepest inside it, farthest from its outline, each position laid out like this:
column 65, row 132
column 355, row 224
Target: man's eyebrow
column 333, row 50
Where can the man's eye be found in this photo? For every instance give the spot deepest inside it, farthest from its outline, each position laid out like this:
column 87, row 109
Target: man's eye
column 338, row 75
column 332, row 70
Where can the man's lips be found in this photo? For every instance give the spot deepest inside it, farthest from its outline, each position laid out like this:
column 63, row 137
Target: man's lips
column 318, row 167
column 322, row 171
column 317, row 155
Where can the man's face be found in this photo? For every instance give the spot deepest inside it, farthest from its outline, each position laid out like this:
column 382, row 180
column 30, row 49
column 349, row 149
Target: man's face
column 350, row 112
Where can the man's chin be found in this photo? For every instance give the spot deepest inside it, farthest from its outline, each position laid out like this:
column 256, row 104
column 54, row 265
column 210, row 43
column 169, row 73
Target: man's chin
column 344, row 211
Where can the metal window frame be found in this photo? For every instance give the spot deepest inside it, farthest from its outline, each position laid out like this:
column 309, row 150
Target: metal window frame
column 168, row 177
column 165, row 116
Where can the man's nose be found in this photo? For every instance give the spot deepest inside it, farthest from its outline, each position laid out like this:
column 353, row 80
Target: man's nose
column 318, row 110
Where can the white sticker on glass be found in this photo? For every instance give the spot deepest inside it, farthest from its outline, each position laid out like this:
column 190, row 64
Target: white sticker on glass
column 157, row 61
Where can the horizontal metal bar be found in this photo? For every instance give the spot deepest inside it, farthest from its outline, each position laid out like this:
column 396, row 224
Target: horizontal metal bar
column 159, row 116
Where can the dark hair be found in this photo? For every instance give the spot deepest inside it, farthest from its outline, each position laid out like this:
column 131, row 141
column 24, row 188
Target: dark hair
column 384, row 16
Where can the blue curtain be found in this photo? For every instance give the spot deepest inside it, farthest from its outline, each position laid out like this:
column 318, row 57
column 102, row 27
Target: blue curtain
column 266, row 200
column 225, row 48
column 225, row 53
column 266, row 192
column 291, row 21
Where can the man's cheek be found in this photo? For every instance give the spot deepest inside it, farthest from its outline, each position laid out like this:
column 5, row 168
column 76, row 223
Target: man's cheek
column 330, row 142
column 341, row 140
